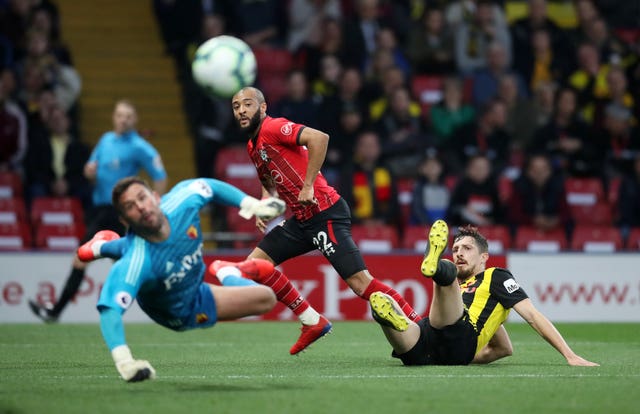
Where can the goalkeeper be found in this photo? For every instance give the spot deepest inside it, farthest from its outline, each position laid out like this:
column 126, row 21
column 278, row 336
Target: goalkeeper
column 160, row 264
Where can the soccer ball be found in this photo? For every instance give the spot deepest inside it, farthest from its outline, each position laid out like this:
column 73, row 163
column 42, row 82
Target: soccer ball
column 223, row 65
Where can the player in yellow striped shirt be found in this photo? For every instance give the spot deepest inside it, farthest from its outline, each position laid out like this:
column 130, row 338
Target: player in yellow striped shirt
column 465, row 322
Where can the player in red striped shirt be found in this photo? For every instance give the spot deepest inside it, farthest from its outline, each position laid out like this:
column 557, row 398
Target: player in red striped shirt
column 288, row 157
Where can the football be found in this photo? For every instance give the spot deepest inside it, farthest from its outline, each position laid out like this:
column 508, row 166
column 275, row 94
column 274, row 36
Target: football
column 223, row 65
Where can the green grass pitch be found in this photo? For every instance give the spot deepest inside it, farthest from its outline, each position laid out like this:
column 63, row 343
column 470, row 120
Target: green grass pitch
column 245, row 367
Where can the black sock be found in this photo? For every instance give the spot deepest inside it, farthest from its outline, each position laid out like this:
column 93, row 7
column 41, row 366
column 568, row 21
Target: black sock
column 70, row 289
column 446, row 273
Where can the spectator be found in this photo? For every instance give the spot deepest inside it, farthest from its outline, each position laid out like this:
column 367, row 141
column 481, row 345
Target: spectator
column 349, row 94
column 13, row 134
column 522, row 34
column 475, row 197
column 386, row 40
column 56, row 162
column 392, row 80
column 565, row 138
column 486, row 136
column 350, row 124
column 327, row 83
column 629, row 198
column 460, row 12
column 402, row 134
column 473, row 40
column 305, row 21
column 296, row 105
column 368, row 186
column 430, row 45
column 618, row 141
column 521, row 116
column 590, row 80
column 543, row 103
column 430, row 199
column 360, row 33
column 611, row 50
column 485, row 79
column 538, row 198
column 542, row 64
column 451, row 113
column 619, row 94
column 332, row 43
column 14, row 21
column 259, row 23
column 45, row 21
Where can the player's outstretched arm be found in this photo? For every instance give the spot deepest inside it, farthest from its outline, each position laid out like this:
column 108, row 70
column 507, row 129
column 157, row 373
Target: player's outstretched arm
column 130, row 369
column 548, row 331
column 499, row 346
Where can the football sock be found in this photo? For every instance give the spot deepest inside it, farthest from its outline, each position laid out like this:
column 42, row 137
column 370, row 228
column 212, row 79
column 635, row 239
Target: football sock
column 70, row 289
column 446, row 273
column 378, row 286
column 232, row 276
column 287, row 294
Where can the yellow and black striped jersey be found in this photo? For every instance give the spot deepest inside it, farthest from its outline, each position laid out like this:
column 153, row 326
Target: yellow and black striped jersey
column 488, row 297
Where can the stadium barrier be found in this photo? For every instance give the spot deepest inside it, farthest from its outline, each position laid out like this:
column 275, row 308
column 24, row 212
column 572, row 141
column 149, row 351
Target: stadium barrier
column 567, row 287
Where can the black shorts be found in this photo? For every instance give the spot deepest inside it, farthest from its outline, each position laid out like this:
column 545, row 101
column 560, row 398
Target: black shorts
column 453, row 345
column 104, row 217
column 328, row 231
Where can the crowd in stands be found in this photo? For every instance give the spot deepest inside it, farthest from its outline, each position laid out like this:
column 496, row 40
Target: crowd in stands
column 459, row 109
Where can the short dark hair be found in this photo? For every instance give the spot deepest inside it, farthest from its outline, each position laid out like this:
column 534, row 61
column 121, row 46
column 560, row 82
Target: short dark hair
column 122, row 185
column 472, row 231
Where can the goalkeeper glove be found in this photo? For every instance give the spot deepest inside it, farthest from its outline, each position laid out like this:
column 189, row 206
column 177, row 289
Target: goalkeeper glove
column 131, row 370
column 265, row 209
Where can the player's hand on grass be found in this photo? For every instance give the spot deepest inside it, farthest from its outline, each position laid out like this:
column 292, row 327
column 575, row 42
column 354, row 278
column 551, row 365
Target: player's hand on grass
column 578, row 361
column 131, row 370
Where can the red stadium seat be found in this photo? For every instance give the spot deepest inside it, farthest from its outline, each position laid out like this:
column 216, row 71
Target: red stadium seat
column 375, row 239
column 14, row 236
column 244, row 232
column 633, row 241
column 273, row 61
column 59, row 237
column 613, row 192
column 12, row 211
column 505, row 188
column 599, row 213
column 405, row 197
column 532, row 239
column 56, row 211
column 498, row 237
column 251, row 186
column 415, row 238
column 274, row 86
column 233, row 161
column 594, row 239
column 583, row 191
column 10, row 185
column 428, row 91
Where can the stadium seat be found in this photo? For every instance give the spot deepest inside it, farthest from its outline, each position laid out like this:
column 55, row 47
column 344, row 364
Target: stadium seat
column 505, row 188
column 613, row 192
column 56, row 211
column 416, row 238
column 596, row 239
column 233, row 161
column 375, row 239
column 273, row 61
column 274, row 86
column 250, row 185
column 10, row 185
column 428, row 91
column 12, row 211
column 405, row 197
column 60, row 237
column 244, row 233
column 14, row 236
column 598, row 213
column 633, row 240
column 533, row 240
column 498, row 237
column 583, row 191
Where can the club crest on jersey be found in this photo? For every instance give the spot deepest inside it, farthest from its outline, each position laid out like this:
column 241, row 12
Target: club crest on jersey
column 192, row 232
column 263, row 155
column 287, row 128
column 201, row 318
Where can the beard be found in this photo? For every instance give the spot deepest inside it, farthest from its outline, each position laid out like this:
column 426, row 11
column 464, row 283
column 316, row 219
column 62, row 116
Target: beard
column 254, row 122
column 464, row 274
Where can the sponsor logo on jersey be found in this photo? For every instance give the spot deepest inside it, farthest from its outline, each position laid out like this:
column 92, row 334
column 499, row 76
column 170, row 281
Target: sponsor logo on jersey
column 511, row 285
column 124, row 299
column 192, row 232
column 201, row 187
column 287, row 128
column 186, row 264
